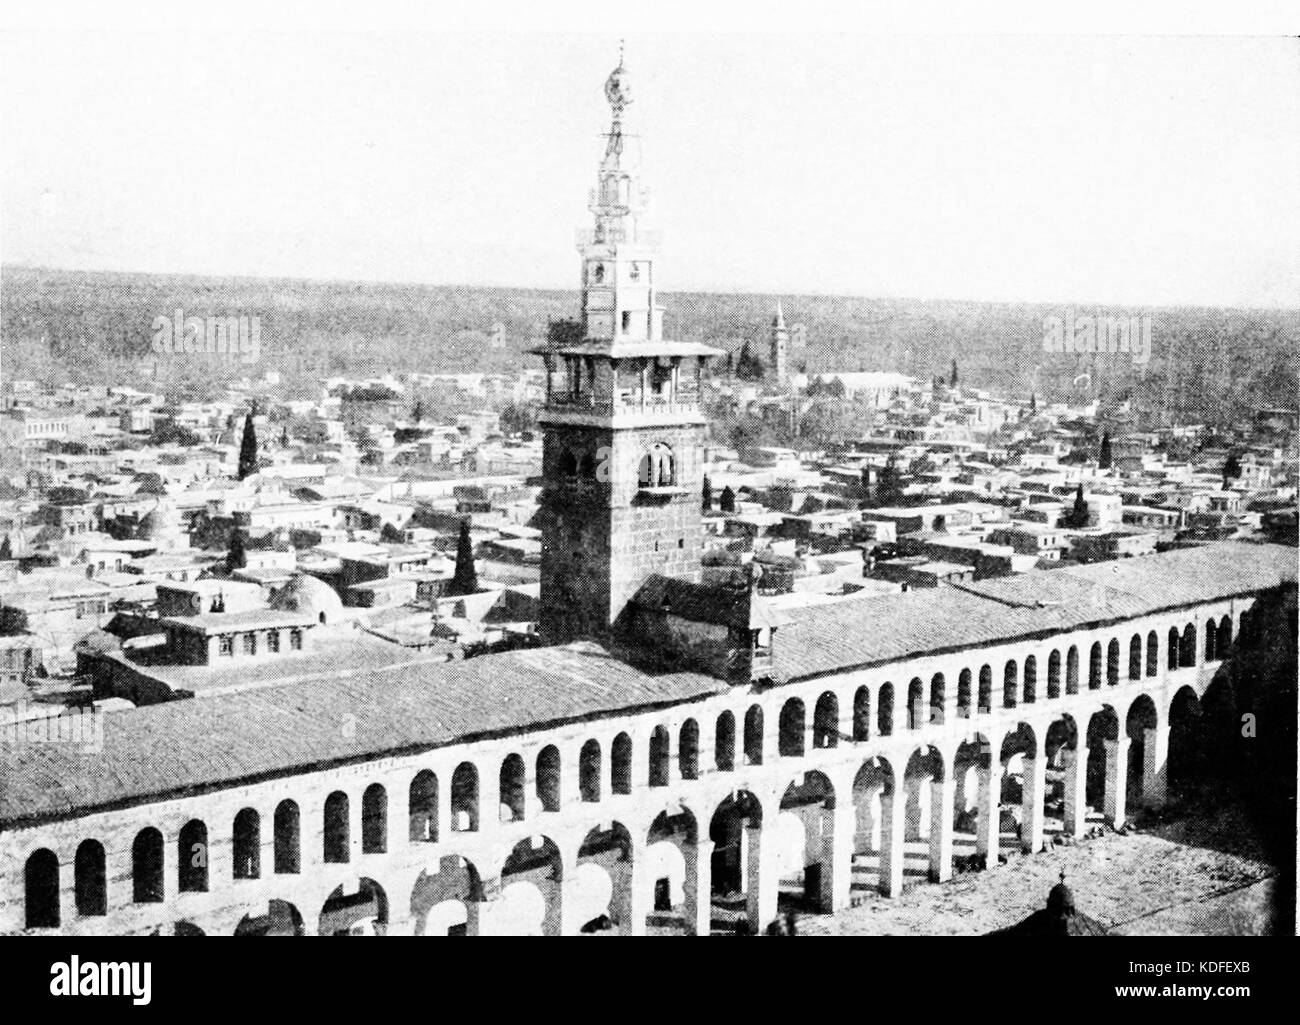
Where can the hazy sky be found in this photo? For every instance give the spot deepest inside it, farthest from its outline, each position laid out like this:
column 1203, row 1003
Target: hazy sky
column 1132, row 170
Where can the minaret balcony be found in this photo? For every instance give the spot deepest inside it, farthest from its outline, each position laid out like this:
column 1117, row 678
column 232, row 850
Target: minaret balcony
column 626, row 405
column 618, row 236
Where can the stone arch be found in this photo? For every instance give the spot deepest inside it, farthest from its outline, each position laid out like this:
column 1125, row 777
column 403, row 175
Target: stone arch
column 862, row 714
column 192, row 857
column 670, row 843
column 659, row 754
column 1072, row 670
column 535, row 861
column 875, row 786
column 808, row 799
column 620, row 765
column 41, row 889
column 735, row 829
column 1030, row 685
column 336, row 834
column 1187, row 649
column 286, row 828
column 374, row 819
column 1094, row 666
column 548, row 778
column 984, row 699
column 753, row 739
column 147, row 866
column 885, row 710
column 938, row 694
column 1140, row 724
column 1053, row 675
column 826, row 721
column 422, row 807
column 1224, row 641
column 246, row 844
column 511, row 787
column 609, row 849
column 916, row 708
column 589, row 771
column 1174, row 644
column 1153, row 653
column 456, row 890
column 963, row 694
column 1010, row 684
column 790, row 733
column 281, row 919
column 724, row 742
column 90, row 880
column 1135, row 657
column 688, row 750
column 465, row 798
column 364, row 912
column 1112, row 662
column 1102, row 730
column 657, row 467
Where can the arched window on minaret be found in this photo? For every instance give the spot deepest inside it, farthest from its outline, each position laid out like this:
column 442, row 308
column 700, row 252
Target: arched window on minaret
column 599, row 273
column 568, row 464
column 656, row 468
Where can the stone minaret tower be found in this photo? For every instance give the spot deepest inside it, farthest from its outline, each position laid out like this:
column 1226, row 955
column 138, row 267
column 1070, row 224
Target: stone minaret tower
column 779, row 346
column 622, row 428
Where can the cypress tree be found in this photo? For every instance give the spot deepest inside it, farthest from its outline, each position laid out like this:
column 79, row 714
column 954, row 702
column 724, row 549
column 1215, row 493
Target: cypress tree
column 952, row 381
column 248, row 447
column 706, row 495
column 727, row 500
column 1078, row 517
column 1104, row 456
column 465, row 578
column 7, row 551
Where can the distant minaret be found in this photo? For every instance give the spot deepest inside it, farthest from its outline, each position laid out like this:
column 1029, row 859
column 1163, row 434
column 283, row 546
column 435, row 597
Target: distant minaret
column 779, row 345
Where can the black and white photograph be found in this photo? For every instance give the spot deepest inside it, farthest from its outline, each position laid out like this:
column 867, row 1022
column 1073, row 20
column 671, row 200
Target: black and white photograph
column 591, row 478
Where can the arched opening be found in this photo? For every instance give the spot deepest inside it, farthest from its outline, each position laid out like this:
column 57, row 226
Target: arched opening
column 147, row 866
column 1072, row 670
column 1135, row 657
column 985, row 695
column 422, row 807
column 1173, row 646
column 281, row 919
column 464, row 798
column 874, row 787
column 246, row 843
column 916, row 711
column 1224, row 641
column 363, row 913
column 1112, row 662
column 337, row 833
column 1054, row 675
column 41, row 889
column 724, row 742
column 826, row 721
column 374, row 820
column 1010, row 684
column 287, row 858
column 688, row 750
column 533, row 868
column 862, row 714
column 963, row 694
column 192, row 857
column 589, row 769
column 1094, row 666
column 924, row 768
column 1211, row 636
column 1017, row 801
column 885, row 710
column 1187, row 651
column 1184, row 762
column 754, row 736
column 670, row 837
column 658, row 754
column 1030, row 694
column 1153, row 653
column 803, row 858
column 548, row 778
column 90, row 879
column 656, row 467
column 620, row 767
column 511, row 788
column 447, row 901
column 1061, row 748
column 790, row 740
column 1103, row 731
column 734, row 829
column 1140, row 724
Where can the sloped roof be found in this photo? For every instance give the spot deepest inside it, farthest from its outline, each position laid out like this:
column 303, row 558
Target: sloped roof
column 195, row 745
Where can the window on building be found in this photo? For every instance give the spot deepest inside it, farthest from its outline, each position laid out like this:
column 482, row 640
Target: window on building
column 273, row 641
column 250, row 644
column 295, row 640
column 226, row 645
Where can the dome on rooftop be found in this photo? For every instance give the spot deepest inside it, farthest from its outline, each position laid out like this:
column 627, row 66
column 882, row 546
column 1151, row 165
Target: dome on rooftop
column 310, row 596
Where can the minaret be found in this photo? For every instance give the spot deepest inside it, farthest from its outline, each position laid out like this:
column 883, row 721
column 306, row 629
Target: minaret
column 779, row 345
column 622, row 428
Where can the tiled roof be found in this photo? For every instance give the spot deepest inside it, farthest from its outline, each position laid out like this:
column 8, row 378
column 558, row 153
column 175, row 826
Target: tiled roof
column 187, row 746
column 874, row 630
